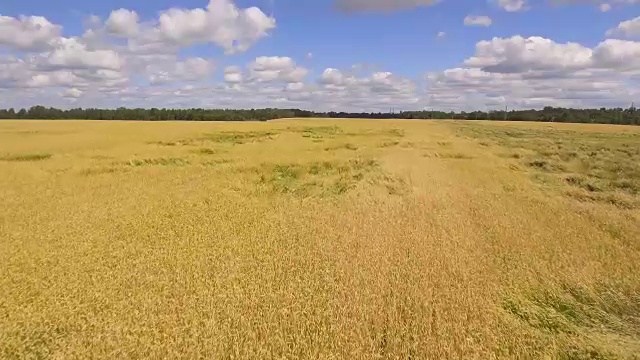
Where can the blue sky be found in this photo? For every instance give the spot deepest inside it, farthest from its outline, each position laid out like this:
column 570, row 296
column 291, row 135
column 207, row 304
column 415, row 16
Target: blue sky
column 390, row 56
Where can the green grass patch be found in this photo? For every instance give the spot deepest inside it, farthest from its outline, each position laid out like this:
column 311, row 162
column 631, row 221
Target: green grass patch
column 183, row 142
column 26, row 157
column 576, row 309
column 347, row 146
column 586, row 183
column 541, row 318
column 206, row 151
column 584, row 352
column 546, row 165
column 592, row 166
column 101, row 170
column 158, row 162
column 317, row 132
column 165, row 143
column 448, row 155
column 237, row 138
column 618, row 200
column 317, row 179
column 387, row 144
column 395, row 132
column 391, row 133
column 216, row 162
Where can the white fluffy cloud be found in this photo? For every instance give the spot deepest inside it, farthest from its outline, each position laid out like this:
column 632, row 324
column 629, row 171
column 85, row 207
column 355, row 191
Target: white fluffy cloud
column 512, row 5
column 233, row 74
column 191, row 69
column 122, row 22
column 377, row 90
column 472, row 20
column 605, row 7
column 469, row 88
column 276, row 68
column 535, row 72
column 72, row 93
column 221, row 23
column 73, row 54
column 67, row 62
column 336, row 78
column 27, row 32
column 112, row 55
column 10, row 70
column 619, row 55
column 536, row 54
column 381, row 5
column 518, row 54
column 629, row 28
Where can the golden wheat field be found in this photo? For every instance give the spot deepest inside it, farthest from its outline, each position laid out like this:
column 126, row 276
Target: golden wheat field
column 319, row 239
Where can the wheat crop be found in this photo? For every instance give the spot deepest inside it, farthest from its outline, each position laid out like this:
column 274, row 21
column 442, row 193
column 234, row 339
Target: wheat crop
column 322, row 239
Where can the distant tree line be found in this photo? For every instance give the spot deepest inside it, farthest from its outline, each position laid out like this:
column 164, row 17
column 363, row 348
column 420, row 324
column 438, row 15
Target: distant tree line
column 41, row 112
column 629, row 116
